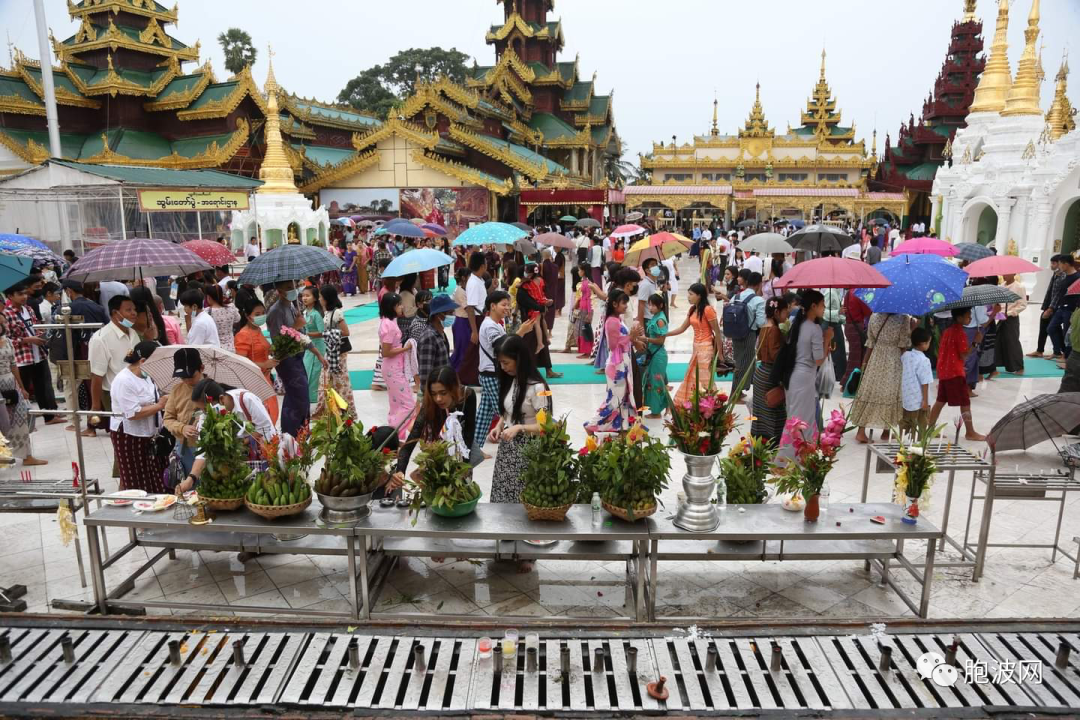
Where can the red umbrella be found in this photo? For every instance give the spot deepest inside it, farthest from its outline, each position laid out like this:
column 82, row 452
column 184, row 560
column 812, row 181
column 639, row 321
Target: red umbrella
column 832, row 272
column 555, row 240
column 1074, row 289
column 925, row 246
column 212, row 252
column 1000, row 265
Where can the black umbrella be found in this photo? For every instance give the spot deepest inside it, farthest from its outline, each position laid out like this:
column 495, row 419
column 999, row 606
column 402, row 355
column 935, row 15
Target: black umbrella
column 1034, row 421
column 746, row 223
column 820, row 238
column 587, row 223
column 979, row 295
column 525, row 247
column 523, row 226
column 972, row 251
column 879, row 221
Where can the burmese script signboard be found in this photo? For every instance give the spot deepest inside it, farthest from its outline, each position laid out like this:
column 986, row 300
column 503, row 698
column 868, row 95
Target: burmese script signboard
column 191, row 200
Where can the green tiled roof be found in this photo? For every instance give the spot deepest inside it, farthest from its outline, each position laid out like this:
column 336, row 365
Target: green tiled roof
column 192, row 146
column 837, row 130
column 131, row 143
column 132, row 33
column 321, row 155
column 180, row 85
column 601, row 134
column 160, row 177
column 213, row 92
column 480, row 71
column 83, row 72
column 551, row 126
column 60, row 79
column 599, row 105
column 580, row 92
column 925, row 171
column 157, row 7
column 70, row 143
column 803, row 131
column 535, row 158
column 335, row 114
column 17, row 87
column 566, row 69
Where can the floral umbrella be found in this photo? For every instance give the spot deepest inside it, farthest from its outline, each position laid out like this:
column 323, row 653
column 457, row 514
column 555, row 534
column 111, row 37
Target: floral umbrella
column 490, row 233
column 212, row 252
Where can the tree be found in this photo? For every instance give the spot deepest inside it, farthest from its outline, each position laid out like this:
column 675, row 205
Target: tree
column 377, row 89
column 239, row 52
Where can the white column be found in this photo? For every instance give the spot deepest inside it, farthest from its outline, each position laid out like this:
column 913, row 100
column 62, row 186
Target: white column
column 1004, row 213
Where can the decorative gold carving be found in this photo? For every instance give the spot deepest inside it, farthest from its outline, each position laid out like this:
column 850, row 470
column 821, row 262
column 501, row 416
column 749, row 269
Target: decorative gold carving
column 114, row 38
column 153, row 33
column 513, row 22
column 32, row 152
column 1029, row 151
column 756, row 125
column 507, row 61
column 1061, row 120
column 463, row 172
column 996, row 78
column 145, row 8
column 291, row 103
column 535, row 172
column 356, row 164
column 275, row 171
column 20, row 105
column 213, row 156
column 1023, row 97
column 86, row 32
column 245, row 87
column 63, row 95
column 402, row 128
column 180, row 100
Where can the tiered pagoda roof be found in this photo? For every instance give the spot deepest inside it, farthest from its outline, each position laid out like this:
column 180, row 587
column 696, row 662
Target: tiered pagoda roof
column 821, row 117
column 922, row 147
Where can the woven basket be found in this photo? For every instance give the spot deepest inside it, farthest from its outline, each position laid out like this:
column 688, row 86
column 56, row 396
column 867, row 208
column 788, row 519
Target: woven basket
column 622, row 513
column 555, row 514
column 223, row 505
column 271, row 512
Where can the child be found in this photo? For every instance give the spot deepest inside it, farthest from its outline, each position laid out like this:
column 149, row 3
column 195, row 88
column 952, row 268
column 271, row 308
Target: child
column 915, row 382
column 952, row 382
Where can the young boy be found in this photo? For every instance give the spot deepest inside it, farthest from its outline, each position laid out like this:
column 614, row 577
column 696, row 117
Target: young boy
column 952, row 383
column 915, row 381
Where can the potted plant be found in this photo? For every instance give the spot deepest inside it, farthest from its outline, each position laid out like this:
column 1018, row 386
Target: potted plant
column 745, row 470
column 814, row 458
column 632, row 470
column 443, row 481
column 550, row 477
column 224, row 479
column 282, row 489
column 916, row 468
column 354, row 466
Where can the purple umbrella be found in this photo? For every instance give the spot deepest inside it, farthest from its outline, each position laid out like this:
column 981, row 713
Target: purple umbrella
column 435, row 228
column 135, row 259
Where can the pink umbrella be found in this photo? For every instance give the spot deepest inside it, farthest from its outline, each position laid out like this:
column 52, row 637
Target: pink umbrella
column 212, row 252
column 435, row 228
column 1000, row 265
column 555, row 240
column 832, row 272
column 925, row 246
column 627, row 231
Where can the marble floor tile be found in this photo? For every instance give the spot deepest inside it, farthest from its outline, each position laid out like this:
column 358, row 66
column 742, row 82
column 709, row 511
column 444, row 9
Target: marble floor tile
column 293, row 573
column 310, row 592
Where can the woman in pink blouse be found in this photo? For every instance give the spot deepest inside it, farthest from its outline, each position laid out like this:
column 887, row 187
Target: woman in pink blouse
column 394, row 365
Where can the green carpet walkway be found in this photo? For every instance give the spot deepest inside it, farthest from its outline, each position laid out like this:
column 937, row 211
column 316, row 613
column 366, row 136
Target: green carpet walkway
column 584, row 373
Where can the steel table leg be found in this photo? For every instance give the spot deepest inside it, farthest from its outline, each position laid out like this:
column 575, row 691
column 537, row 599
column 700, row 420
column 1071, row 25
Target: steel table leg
column 1057, row 531
column 78, row 543
column 640, row 610
column 350, row 544
column 97, row 573
column 361, row 559
column 866, row 486
column 652, row 578
column 948, row 504
column 984, row 528
column 928, row 578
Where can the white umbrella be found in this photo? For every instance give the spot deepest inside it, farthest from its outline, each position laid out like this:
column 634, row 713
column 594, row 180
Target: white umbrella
column 220, row 365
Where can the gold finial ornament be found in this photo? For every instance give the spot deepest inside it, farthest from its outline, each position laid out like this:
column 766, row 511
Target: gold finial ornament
column 1060, row 120
column 756, row 125
column 1023, row 97
column 873, row 147
column 276, row 172
column 715, row 123
column 969, row 11
column 996, row 78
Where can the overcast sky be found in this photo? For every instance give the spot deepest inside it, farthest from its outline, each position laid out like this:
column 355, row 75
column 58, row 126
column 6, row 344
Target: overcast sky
column 664, row 60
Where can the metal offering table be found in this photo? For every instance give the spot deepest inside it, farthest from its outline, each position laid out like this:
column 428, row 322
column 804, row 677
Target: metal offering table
column 1054, row 486
column 950, row 458
column 500, row 532
column 238, row 531
column 768, row 532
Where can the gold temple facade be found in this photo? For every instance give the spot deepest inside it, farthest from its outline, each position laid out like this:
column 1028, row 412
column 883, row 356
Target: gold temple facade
column 817, row 169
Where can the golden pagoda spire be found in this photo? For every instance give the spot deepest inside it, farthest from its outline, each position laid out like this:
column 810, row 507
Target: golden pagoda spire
column 1060, row 119
column 756, row 125
column 996, row 78
column 1023, row 97
column 822, row 65
column 276, row 173
column 715, row 123
column 969, row 11
column 873, row 147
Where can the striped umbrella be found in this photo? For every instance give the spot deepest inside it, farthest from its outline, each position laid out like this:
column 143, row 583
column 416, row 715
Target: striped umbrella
column 972, row 251
column 288, row 262
column 135, row 259
column 1042, row 418
column 11, row 241
column 490, row 233
column 980, row 295
column 212, row 252
column 435, row 228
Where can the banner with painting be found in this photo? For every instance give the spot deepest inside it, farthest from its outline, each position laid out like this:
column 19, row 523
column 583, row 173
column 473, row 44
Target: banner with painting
column 456, row 209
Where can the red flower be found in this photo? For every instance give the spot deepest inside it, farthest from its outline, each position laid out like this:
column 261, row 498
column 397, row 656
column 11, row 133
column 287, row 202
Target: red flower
column 348, row 422
column 223, row 411
column 387, row 451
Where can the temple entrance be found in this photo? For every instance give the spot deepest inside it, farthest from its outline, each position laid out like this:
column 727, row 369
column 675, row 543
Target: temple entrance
column 1070, row 235
column 986, row 229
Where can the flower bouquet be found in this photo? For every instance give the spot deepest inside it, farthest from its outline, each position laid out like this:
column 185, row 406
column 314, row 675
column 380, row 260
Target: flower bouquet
column 224, row 479
column 588, row 477
column 916, row 467
column 814, row 458
column 444, row 482
column 282, row 489
column 745, row 469
column 288, row 343
column 700, row 425
column 550, row 476
column 632, row 470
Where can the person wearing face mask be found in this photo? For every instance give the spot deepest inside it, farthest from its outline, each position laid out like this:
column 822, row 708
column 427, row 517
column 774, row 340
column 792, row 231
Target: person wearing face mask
column 202, row 329
column 295, row 410
column 106, row 351
column 139, row 406
column 179, row 410
column 251, row 343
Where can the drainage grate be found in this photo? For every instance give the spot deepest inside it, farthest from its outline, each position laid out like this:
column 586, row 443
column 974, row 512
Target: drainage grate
column 1055, row 653
column 202, row 669
column 59, row 665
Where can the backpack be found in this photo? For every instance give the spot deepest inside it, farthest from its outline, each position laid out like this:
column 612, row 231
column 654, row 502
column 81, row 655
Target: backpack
column 737, row 320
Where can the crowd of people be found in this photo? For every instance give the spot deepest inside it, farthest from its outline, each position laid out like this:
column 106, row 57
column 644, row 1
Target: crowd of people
column 471, row 358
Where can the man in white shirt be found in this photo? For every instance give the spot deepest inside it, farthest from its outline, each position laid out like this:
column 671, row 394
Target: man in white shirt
column 754, row 263
column 596, row 263
column 609, row 248
column 203, row 330
column 251, row 249
column 107, row 349
column 652, row 274
column 108, row 290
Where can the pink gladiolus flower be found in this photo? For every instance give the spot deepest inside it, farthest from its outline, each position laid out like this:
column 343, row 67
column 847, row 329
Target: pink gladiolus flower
column 687, row 405
column 707, row 405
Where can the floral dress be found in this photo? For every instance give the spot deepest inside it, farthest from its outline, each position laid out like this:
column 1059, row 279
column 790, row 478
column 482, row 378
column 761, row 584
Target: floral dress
column 879, row 403
column 336, row 374
column 19, row 421
column 618, row 411
column 225, row 319
column 506, row 482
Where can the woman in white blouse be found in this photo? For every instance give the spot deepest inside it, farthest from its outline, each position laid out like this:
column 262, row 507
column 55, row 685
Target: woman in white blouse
column 139, row 406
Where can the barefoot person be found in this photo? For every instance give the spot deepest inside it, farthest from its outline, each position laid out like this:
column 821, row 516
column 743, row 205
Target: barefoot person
column 952, row 380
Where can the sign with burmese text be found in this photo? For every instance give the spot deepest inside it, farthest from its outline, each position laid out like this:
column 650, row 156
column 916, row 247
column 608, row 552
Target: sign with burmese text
column 190, row 200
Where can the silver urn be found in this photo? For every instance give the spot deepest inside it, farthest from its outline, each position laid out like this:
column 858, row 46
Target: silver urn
column 698, row 513
column 344, row 510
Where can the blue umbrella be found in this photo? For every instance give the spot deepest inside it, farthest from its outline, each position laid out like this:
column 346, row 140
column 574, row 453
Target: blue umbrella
column 919, row 282
column 416, row 261
column 398, row 221
column 491, row 233
column 13, row 269
column 403, row 229
column 11, row 241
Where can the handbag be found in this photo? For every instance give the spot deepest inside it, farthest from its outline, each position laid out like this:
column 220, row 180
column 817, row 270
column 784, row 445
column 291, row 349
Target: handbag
column 587, row 331
column 174, row 470
column 11, row 397
column 164, row 441
column 344, row 345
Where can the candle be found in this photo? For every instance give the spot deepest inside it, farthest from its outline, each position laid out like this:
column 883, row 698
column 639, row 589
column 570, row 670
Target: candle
column 483, row 646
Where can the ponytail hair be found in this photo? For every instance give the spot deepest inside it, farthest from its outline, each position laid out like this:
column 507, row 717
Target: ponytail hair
column 614, row 298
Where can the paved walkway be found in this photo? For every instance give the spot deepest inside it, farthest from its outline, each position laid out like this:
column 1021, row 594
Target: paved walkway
column 1017, row 583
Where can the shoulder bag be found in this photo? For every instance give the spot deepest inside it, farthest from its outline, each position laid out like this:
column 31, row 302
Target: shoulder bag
column 344, row 345
column 164, row 441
